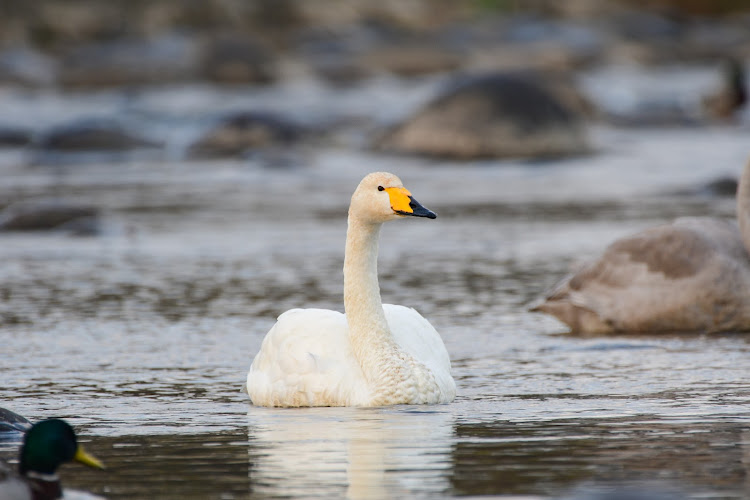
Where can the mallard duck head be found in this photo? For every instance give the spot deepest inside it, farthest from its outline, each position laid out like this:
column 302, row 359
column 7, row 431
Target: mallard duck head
column 50, row 443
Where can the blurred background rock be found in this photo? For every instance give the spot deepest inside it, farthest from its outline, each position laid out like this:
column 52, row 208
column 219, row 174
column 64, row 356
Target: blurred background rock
column 474, row 79
column 99, row 43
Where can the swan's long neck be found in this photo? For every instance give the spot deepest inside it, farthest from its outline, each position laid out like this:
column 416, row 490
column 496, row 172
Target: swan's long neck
column 368, row 328
column 381, row 359
column 743, row 206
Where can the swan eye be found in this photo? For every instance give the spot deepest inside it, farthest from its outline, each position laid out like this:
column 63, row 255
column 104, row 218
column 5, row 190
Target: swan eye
column 381, row 188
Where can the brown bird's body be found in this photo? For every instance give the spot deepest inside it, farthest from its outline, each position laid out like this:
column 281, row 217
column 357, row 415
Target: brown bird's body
column 691, row 275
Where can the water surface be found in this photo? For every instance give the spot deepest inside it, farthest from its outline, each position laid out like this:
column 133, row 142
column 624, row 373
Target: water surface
column 142, row 336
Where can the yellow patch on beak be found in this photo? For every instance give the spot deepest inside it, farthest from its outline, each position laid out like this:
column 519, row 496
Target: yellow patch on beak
column 400, row 199
column 86, row 459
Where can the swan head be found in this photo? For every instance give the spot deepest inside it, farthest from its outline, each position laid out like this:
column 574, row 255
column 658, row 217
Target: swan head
column 381, row 197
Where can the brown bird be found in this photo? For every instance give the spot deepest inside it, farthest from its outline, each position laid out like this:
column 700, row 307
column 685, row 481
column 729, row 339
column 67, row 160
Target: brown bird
column 690, row 275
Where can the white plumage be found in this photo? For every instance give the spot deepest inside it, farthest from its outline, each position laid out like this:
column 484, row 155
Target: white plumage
column 306, row 359
column 375, row 354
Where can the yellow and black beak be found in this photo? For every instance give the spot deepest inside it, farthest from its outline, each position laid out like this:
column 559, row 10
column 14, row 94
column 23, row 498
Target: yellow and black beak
column 403, row 203
column 83, row 457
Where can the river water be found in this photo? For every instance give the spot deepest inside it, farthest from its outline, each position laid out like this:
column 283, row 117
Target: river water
column 142, row 336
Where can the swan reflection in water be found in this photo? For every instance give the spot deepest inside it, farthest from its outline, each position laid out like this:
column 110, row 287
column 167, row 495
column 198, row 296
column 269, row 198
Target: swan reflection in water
column 357, row 452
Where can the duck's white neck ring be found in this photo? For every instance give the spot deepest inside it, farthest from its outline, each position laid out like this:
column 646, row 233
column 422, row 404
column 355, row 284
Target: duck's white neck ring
column 41, row 476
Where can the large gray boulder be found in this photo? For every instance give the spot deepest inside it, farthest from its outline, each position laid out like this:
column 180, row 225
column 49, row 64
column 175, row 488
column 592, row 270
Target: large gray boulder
column 496, row 115
column 92, row 135
column 49, row 214
column 239, row 132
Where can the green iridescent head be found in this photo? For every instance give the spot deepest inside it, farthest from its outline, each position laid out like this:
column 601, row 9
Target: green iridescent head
column 50, row 443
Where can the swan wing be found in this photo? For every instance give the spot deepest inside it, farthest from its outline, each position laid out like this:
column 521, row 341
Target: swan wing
column 306, row 360
column 415, row 335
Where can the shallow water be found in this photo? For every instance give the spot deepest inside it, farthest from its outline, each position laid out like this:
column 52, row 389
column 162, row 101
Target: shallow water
column 142, row 336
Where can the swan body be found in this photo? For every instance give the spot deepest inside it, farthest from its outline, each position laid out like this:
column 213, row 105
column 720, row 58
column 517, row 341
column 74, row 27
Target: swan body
column 297, row 367
column 690, row 275
column 373, row 355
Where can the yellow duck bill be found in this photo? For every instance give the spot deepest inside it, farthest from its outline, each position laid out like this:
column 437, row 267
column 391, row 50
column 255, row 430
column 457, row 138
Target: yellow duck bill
column 83, row 457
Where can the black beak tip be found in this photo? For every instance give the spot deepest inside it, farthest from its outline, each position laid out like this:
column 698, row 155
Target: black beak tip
column 419, row 211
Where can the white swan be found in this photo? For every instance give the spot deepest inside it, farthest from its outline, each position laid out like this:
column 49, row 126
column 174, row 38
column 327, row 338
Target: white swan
column 691, row 275
column 375, row 354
